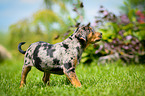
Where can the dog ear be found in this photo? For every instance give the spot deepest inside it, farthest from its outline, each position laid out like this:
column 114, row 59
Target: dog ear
column 81, row 34
column 88, row 25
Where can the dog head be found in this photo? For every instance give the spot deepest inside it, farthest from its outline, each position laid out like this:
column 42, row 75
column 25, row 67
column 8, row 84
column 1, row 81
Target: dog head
column 88, row 35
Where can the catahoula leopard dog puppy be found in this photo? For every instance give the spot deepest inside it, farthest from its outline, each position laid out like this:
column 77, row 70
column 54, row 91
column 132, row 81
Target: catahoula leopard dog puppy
column 60, row 58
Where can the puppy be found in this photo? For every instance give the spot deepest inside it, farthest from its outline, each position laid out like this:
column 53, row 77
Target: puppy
column 60, row 58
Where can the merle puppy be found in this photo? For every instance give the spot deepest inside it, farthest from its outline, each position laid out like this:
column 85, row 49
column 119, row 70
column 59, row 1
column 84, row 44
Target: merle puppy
column 60, row 58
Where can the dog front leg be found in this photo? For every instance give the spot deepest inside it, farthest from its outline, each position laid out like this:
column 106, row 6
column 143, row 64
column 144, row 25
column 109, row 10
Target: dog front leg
column 73, row 78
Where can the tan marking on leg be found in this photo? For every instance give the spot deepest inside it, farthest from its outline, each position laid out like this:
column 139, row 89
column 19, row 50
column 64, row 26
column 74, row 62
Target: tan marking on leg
column 73, row 79
column 24, row 75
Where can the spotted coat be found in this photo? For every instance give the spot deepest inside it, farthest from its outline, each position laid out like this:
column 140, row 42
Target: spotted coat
column 61, row 57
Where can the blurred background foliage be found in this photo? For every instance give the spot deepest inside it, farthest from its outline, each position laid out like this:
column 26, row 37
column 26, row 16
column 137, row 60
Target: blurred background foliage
column 123, row 36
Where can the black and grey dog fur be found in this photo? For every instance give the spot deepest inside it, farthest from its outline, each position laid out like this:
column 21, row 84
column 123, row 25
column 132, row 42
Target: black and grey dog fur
column 60, row 58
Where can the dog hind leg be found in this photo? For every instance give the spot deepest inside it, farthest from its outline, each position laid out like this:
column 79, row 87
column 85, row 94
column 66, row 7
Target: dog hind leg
column 25, row 71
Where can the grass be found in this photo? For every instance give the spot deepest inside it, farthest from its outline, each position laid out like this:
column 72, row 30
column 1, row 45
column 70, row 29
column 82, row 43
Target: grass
column 111, row 79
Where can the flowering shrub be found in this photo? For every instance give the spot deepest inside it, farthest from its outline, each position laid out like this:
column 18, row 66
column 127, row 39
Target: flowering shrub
column 122, row 36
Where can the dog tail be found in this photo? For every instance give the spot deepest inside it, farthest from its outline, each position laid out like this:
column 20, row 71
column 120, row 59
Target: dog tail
column 19, row 48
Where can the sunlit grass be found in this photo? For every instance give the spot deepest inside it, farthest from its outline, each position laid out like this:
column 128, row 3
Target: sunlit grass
column 109, row 79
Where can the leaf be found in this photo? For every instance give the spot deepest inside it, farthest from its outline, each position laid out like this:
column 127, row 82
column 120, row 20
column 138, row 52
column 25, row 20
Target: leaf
column 84, row 54
column 84, row 59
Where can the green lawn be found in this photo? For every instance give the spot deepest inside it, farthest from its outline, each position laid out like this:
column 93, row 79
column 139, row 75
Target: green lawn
column 111, row 79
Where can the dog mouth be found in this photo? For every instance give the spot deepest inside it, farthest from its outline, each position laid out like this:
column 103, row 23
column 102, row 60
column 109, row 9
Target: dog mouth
column 98, row 40
column 100, row 37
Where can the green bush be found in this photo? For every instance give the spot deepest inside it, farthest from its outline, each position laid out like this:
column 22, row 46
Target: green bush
column 122, row 35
